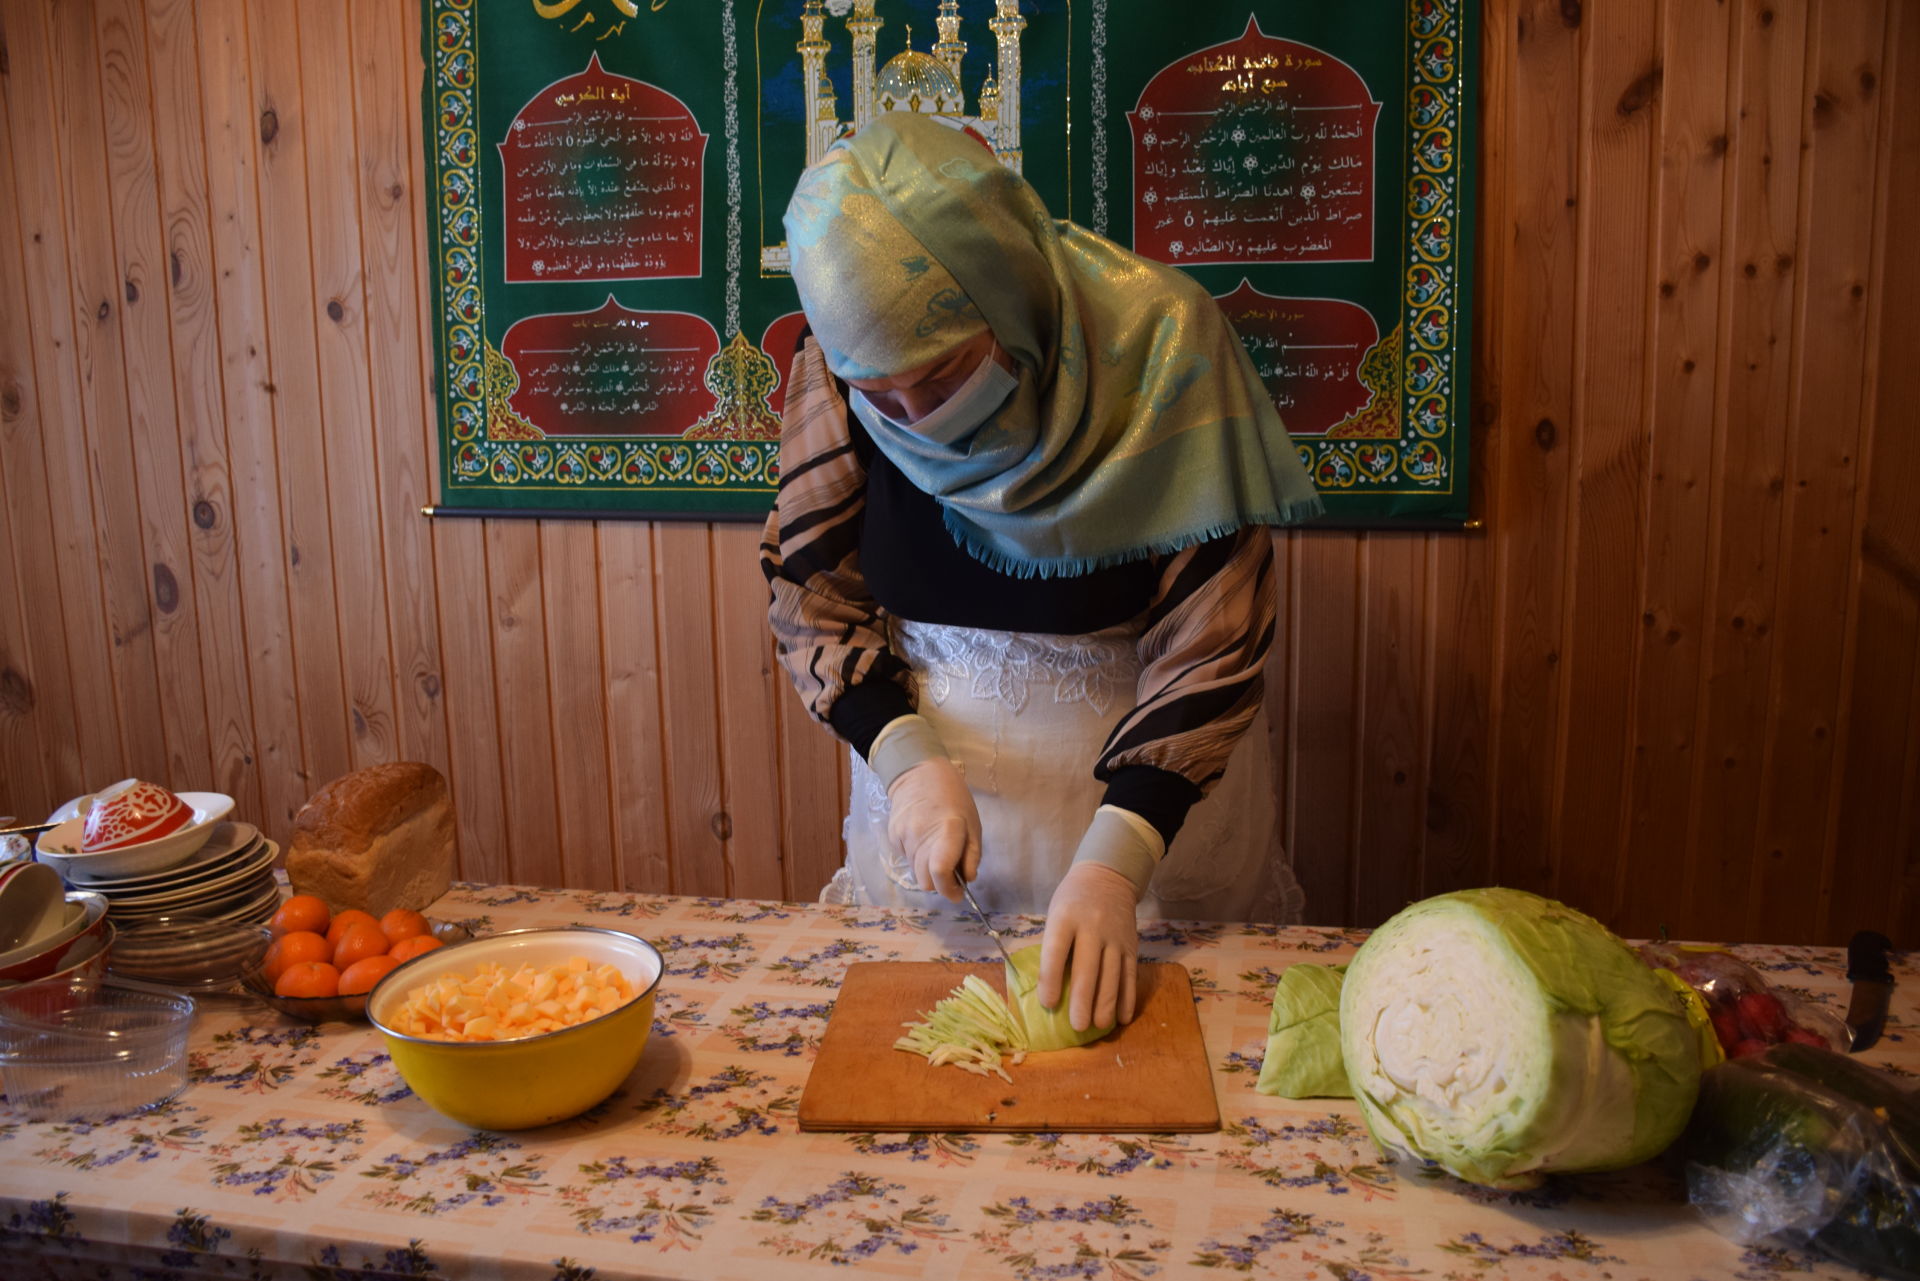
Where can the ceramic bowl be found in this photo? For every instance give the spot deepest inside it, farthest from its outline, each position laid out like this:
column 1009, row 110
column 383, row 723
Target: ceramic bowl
column 131, row 812
column 60, row 848
column 30, row 904
column 84, row 960
column 86, row 920
column 329, row 1009
column 536, row 1080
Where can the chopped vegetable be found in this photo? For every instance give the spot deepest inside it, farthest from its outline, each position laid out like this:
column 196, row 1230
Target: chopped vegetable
column 1503, row 1035
column 1303, row 1036
column 975, row 1028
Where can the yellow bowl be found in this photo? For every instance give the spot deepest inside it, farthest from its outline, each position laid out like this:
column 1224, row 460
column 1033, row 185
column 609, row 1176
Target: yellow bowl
column 536, row 1080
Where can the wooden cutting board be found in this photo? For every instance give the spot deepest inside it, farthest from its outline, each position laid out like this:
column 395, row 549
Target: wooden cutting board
column 1150, row 1077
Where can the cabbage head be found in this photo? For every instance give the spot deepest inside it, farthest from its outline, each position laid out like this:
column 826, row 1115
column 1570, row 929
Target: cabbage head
column 1503, row 1035
column 1046, row 1029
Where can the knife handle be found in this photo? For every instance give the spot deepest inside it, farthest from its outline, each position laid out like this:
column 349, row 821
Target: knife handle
column 1867, row 957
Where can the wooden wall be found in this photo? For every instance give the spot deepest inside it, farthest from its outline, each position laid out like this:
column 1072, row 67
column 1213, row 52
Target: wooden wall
column 1673, row 679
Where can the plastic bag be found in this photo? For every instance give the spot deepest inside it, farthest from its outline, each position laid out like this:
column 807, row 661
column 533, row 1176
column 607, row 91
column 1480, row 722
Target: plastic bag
column 1747, row 1012
column 1813, row 1149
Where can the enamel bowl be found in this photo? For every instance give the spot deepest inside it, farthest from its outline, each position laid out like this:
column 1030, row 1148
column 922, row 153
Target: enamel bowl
column 60, row 848
column 83, row 923
column 535, row 1080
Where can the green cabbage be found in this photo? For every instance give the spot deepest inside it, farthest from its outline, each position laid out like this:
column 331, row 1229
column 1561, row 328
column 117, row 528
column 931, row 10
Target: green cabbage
column 1046, row 1029
column 1503, row 1035
column 1303, row 1036
column 974, row 1028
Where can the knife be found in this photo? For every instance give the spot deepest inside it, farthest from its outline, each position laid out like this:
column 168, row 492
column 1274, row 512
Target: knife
column 985, row 924
column 1872, row 983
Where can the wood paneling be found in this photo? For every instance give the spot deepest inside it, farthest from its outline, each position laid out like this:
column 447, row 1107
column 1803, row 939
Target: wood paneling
column 1673, row 677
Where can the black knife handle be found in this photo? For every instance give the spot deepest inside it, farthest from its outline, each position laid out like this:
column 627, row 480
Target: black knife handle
column 1867, row 957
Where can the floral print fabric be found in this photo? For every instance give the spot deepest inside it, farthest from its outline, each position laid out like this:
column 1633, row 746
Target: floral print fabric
column 298, row 1151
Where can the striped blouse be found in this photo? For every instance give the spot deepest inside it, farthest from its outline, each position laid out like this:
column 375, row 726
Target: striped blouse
column 850, row 541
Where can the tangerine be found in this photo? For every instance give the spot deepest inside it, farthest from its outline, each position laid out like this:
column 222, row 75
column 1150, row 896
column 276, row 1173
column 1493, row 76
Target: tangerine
column 403, row 923
column 418, row 945
column 301, row 912
column 296, row 948
column 308, row 979
column 357, row 942
column 350, row 917
column 364, row 973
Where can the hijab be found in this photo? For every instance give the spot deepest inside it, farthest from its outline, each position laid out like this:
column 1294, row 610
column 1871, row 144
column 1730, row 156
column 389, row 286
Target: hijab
column 1139, row 425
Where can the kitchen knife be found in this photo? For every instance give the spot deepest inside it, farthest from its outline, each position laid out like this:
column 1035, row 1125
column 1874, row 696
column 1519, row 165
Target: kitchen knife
column 985, row 924
column 1872, row 983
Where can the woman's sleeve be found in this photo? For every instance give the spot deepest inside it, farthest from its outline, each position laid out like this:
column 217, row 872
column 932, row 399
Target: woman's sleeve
column 1202, row 660
column 826, row 627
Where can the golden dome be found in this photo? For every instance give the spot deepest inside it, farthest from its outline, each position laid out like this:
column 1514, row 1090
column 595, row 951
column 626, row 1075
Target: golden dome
column 916, row 81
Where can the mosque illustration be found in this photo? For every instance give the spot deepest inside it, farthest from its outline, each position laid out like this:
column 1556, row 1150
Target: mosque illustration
column 911, row 80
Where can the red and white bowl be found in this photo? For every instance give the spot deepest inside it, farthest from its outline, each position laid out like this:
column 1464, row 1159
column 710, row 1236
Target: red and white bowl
column 62, row 848
column 30, row 905
column 129, row 813
column 76, row 939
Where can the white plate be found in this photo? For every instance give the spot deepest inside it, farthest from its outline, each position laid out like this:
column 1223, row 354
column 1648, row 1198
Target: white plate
column 247, row 867
column 61, row 846
column 228, row 902
column 228, row 842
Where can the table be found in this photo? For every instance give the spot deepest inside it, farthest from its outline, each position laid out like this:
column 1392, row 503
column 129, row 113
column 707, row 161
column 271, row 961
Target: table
column 297, row 1150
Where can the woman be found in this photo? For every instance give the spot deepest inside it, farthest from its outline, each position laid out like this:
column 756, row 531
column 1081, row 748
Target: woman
column 1019, row 559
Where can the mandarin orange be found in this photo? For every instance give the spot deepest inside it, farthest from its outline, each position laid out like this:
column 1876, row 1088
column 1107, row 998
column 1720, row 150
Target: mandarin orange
column 403, row 923
column 357, row 942
column 364, row 973
column 297, row 948
column 301, row 912
column 407, row 949
column 308, row 979
column 345, row 920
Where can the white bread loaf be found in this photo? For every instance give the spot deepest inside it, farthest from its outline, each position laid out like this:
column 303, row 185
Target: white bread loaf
column 375, row 839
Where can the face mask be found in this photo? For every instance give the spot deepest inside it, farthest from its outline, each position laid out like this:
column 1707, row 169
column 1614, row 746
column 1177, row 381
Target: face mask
column 959, row 415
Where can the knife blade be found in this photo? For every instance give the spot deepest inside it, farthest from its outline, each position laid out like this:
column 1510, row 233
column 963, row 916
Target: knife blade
column 1872, row 981
column 986, row 924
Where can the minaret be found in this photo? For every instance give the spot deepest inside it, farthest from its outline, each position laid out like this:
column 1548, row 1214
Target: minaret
column 865, row 30
column 951, row 47
column 1007, row 24
column 813, row 75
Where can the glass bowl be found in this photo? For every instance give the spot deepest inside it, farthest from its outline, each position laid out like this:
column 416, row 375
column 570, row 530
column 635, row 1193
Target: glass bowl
column 193, row 953
column 329, row 1009
column 83, row 1049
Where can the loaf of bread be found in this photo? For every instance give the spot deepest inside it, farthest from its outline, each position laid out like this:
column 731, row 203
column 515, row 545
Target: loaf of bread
column 375, row 839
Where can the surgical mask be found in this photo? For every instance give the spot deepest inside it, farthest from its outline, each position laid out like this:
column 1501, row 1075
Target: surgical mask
column 959, row 415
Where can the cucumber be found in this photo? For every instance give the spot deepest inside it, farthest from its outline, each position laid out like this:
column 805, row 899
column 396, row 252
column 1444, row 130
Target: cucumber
column 1804, row 1127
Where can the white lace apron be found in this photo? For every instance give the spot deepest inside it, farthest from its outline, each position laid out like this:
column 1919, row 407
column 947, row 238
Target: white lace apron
column 1024, row 716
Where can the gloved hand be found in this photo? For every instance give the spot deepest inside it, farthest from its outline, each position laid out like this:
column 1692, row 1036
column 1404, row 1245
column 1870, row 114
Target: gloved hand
column 935, row 824
column 1090, row 920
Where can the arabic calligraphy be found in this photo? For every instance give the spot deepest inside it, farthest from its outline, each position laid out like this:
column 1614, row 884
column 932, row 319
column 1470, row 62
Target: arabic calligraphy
column 602, row 179
column 1260, row 150
column 1309, row 353
column 611, row 372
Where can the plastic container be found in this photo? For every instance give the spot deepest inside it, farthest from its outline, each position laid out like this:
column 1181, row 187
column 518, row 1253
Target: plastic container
column 79, row 1049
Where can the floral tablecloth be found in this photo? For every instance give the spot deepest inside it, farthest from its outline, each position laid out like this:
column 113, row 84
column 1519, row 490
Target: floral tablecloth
column 298, row 1151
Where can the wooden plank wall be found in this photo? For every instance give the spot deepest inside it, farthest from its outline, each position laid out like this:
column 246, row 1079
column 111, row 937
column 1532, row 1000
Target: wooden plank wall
column 1674, row 678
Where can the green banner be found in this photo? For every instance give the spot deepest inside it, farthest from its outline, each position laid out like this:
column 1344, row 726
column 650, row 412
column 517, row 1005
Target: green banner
column 613, row 313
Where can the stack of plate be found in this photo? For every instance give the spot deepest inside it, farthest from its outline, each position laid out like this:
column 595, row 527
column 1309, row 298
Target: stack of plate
column 230, row 878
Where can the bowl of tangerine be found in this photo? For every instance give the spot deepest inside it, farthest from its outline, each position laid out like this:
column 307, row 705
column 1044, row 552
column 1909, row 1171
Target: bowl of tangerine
column 319, row 964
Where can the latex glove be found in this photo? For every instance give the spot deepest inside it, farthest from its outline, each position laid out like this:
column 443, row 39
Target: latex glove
column 935, row 824
column 1090, row 922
